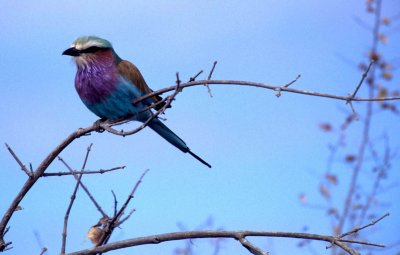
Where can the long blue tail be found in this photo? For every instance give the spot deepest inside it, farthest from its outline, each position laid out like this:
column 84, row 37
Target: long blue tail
column 171, row 137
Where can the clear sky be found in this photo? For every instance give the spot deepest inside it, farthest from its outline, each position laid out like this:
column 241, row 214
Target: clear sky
column 264, row 151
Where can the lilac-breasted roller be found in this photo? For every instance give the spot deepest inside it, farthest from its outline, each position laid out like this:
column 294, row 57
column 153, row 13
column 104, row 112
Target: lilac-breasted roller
column 107, row 85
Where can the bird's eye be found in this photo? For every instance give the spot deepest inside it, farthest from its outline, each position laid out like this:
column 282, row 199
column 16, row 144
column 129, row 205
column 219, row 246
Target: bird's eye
column 92, row 49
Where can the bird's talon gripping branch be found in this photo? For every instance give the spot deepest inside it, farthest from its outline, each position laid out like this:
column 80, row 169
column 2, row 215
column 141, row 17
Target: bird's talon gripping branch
column 98, row 126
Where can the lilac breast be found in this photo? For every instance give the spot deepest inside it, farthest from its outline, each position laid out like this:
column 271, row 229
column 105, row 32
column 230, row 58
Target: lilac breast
column 95, row 82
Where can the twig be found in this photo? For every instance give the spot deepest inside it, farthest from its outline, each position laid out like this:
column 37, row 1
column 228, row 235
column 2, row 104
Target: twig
column 212, row 70
column 73, row 196
column 153, row 105
column 178, row 81
column 31, row 168
column 194, row 77
column 44, row 250
column 345, row 247
column 290, row 83
column 111, row 225
column 251, row 247
column 278, row 90
column 89, row 148
column 101, row 171
column 355, row 115
column 209, row 78
column 6, row 230
column 125, row 218
column 23, row 167
column 115, row 203
column 66, row 217
column 97, row 205
column 355, row 230
column 364, row 75
column 7, row 246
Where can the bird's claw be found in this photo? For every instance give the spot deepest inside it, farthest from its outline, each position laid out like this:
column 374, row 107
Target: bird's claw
column 97, row 125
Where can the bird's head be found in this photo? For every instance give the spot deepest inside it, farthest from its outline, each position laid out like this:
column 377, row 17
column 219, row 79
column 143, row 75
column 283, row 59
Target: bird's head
column 86, row 48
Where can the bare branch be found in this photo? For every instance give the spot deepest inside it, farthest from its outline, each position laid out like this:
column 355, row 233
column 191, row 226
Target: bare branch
column 156, row 239
column 212, row 70
column 290, row 83
column 364, row 75
column 96, row 204
column 89, row 148
column 261, row 85
column 101, row 171
column 115, row 203
column 37, row 174
column 73, row 196
column 209, row 78
column 355, row 116
column 355, row 230
column 43, row 251
column 251, row 247
column 125, row 218
column 66, row 217
column 194, row 77
column 278, row 90
column 154, row 105
column 178, row 81
column 114, row 221
column 23, row 167
column 345, row 248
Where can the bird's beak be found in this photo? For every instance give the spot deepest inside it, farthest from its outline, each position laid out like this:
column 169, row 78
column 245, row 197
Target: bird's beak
column 72, row 52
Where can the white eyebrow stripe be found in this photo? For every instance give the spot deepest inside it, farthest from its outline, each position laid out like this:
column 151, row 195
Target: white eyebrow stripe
column 80, row 46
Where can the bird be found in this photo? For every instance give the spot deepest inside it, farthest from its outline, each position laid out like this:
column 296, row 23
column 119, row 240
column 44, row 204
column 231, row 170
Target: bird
column 107, row 85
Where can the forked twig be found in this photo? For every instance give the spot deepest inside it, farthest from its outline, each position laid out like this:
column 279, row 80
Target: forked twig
column 113, row 223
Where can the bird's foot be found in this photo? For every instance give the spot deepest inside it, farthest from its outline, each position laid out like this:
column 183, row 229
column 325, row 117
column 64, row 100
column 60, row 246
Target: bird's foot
column 98, row 123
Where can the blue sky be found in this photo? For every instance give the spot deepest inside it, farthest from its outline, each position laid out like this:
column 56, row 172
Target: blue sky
column 264, row 151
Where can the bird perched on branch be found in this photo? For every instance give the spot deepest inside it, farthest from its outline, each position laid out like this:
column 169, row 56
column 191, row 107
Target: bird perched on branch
column 108, row 84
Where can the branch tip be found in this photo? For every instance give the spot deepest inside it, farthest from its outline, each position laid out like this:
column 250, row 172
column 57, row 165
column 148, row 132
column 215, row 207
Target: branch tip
column 194, row 77
column 364, row 75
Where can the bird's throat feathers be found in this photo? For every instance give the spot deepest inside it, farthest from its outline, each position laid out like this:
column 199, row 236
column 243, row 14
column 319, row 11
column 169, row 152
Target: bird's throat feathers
column 100, row 59
column 97, row 76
